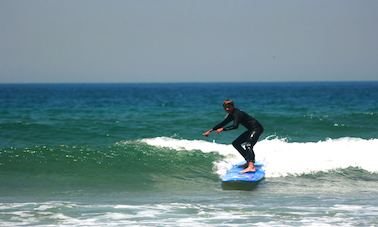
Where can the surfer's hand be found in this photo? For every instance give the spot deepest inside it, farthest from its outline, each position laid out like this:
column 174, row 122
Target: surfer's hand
column 219, row 130
column 207, row 133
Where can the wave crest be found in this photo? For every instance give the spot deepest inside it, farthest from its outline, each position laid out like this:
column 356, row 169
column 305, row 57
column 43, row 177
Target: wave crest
column 282, row 158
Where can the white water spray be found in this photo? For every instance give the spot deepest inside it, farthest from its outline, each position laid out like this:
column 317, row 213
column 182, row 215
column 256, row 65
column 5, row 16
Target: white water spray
column 282, row 158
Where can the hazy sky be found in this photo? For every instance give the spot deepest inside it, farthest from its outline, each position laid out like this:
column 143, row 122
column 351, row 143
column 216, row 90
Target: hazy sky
column 188, row 40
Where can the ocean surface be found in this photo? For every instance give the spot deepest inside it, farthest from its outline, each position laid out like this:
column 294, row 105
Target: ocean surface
column 134, row 154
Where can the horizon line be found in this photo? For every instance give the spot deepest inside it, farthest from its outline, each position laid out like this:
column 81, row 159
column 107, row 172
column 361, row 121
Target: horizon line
column 197, row 82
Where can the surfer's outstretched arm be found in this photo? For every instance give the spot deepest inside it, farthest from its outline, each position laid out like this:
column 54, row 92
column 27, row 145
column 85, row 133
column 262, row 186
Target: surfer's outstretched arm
column 219, row 127
column 227, row 120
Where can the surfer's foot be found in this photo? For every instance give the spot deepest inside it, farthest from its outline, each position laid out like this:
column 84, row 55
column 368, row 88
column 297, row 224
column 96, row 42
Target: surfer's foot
column 250, row 168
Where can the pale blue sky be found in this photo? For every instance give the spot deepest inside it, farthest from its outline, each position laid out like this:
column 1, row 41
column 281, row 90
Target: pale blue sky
column 188, row 41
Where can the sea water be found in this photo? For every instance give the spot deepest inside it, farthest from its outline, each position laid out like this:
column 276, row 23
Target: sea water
column 134, row 154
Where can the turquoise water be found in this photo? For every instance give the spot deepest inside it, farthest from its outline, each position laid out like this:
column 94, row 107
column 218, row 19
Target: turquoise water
column 133, row 154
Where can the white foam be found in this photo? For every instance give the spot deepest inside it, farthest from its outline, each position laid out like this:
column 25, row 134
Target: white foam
column 184, row 214
column 282, row 158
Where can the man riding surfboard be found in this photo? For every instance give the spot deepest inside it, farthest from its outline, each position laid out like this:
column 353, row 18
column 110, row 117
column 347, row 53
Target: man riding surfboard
column 249, row 137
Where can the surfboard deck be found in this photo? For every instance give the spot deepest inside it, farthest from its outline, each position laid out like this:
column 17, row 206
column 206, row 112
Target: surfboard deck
column 234, row 175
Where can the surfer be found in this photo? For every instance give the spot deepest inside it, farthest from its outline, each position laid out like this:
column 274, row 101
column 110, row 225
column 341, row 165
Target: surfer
column 249, row 137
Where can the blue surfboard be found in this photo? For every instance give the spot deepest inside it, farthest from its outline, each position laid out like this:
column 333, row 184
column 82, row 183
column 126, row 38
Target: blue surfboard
column 233, row 179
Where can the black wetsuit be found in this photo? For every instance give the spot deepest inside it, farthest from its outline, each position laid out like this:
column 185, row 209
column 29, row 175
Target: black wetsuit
column 250, row 137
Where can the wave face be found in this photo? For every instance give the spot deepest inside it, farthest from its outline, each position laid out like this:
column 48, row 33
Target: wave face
column 129, row 164
column 163, row 162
